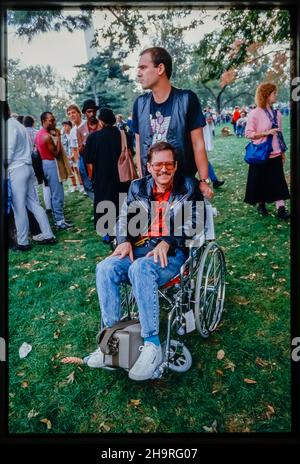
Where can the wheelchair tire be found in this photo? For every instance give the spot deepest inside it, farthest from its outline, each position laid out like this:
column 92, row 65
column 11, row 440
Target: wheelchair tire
column 180, row 358
column 128, row 302
column 210, row 290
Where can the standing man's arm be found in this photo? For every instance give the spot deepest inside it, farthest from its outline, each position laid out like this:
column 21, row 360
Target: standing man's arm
column 54, row 149
column 74, row 144
column 201, row 160
column 138, row 154
column 11, row 142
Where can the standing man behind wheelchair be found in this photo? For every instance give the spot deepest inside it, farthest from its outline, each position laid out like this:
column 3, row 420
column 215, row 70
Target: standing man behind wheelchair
column 169, row 114
column 149, row 260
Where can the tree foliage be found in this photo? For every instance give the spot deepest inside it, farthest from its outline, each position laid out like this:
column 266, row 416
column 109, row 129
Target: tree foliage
column 30, row 23
column 104, row 79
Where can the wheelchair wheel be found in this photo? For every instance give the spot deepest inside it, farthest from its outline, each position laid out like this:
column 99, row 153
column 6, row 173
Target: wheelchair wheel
column 210, row 290
column 128, row 303
column 180, row 359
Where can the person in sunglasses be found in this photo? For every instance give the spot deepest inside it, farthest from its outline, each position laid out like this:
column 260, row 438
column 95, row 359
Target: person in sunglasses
column 151, row 256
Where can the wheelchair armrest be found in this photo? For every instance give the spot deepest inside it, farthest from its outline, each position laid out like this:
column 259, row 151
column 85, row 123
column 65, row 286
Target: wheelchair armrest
column 196, row 242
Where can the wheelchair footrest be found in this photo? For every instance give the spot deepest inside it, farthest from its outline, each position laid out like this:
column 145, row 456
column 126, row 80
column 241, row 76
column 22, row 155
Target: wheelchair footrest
column 158, row 373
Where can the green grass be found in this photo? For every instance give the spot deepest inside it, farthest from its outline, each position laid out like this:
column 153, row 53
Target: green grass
column 54, row 307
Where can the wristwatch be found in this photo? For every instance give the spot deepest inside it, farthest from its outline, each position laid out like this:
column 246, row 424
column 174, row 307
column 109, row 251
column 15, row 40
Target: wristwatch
column 207, row 180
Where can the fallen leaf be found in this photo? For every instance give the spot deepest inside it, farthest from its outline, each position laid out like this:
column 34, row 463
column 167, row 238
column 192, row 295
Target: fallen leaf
column 212, row 428
column 229, row 365
column 60, row 313
column 241, row 300
column 25, row 384
column 219, row 372
column 105, row 426
column 261, row 362
column 20, row 374
column 270, row 412
column 135, row 402
column 71, row 377
column 32, row 414
column 250, row 381
column 47, row 422
column 56, row 334
column 40, row 284
column 220, row 354
column 72, row 360
column 24, row 350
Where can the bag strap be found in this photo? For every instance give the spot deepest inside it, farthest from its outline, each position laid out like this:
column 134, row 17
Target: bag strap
column 123, row 139
column 108, row 332
column 274, row 118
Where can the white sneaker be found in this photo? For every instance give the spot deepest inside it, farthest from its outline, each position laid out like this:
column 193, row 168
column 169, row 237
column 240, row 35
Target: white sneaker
column 38, row 238
column 149, row 359
column 72, row 189
column 95, row 359
column 81, row 189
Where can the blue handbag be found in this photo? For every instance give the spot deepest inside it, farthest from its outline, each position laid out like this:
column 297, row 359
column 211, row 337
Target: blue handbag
column 258, row 153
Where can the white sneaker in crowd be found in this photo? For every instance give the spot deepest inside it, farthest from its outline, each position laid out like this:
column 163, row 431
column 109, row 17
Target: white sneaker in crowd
column 81, row 189
column 38, row 238
column 95, row 359
column 72, row 189
column 149, row 359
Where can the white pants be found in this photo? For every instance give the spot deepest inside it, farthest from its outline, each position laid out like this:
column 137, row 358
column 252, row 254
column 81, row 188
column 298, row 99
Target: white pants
column 24, row 195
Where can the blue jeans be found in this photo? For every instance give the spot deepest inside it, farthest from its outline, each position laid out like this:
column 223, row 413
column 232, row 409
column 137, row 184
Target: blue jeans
column 145, row 276
column 87, row 183
column 211, row 173
column 56, row 189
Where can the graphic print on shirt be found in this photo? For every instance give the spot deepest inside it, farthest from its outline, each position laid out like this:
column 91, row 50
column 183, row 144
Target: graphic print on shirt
column 159, row 127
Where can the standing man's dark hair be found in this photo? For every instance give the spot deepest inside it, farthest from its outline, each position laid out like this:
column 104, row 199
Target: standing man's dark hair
column 28, row 121
column 45, row 115
column 160, row 56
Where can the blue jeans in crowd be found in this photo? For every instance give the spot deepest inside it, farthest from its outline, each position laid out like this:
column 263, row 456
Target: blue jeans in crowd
column 145, row 276
column 87, row 183
column 211, row 173
column 56, row 189
column 240, row 131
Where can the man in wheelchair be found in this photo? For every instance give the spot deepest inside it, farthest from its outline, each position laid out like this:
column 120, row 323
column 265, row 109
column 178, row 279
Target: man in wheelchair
column 173, row 209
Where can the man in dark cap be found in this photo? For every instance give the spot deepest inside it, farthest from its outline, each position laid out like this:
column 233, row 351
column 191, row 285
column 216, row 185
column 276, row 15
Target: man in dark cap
column 92, row 124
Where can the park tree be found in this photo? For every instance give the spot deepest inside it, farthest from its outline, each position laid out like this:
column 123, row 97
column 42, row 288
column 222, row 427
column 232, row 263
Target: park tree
column 105, row 80
column 27, row 94
column 245, row 41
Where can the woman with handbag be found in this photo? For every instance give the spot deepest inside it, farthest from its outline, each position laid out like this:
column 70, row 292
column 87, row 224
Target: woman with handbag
column 266, row 182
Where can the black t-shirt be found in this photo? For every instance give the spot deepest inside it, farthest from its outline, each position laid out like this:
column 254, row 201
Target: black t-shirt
column 161, row 113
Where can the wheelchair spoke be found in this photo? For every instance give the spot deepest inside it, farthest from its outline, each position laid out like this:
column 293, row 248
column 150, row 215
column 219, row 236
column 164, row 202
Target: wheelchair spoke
column 210, row 290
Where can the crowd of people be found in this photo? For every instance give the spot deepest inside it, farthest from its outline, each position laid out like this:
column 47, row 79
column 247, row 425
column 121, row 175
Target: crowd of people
column 170, row 136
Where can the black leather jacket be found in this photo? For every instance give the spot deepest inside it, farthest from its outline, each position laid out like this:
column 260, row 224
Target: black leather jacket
column 185, row 193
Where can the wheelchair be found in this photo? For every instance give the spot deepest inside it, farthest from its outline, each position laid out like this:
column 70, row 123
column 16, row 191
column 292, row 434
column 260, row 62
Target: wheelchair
column 195, row 297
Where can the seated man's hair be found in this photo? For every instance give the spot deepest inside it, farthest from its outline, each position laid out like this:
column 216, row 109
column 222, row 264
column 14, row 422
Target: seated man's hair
column 160, row 146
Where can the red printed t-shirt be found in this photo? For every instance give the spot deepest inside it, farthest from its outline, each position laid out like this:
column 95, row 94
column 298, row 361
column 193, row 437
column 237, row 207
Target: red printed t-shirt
column 159, row 228
column 42, row 146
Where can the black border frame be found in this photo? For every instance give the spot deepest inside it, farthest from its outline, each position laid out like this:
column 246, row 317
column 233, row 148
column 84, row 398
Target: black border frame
column 178, row 440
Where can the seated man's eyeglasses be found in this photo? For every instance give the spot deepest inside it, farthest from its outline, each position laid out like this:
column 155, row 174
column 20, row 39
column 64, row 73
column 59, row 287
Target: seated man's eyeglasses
column 157, row 166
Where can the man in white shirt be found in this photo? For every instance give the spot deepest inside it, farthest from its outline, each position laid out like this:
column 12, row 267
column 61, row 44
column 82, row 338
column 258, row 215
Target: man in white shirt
column 22, row 178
